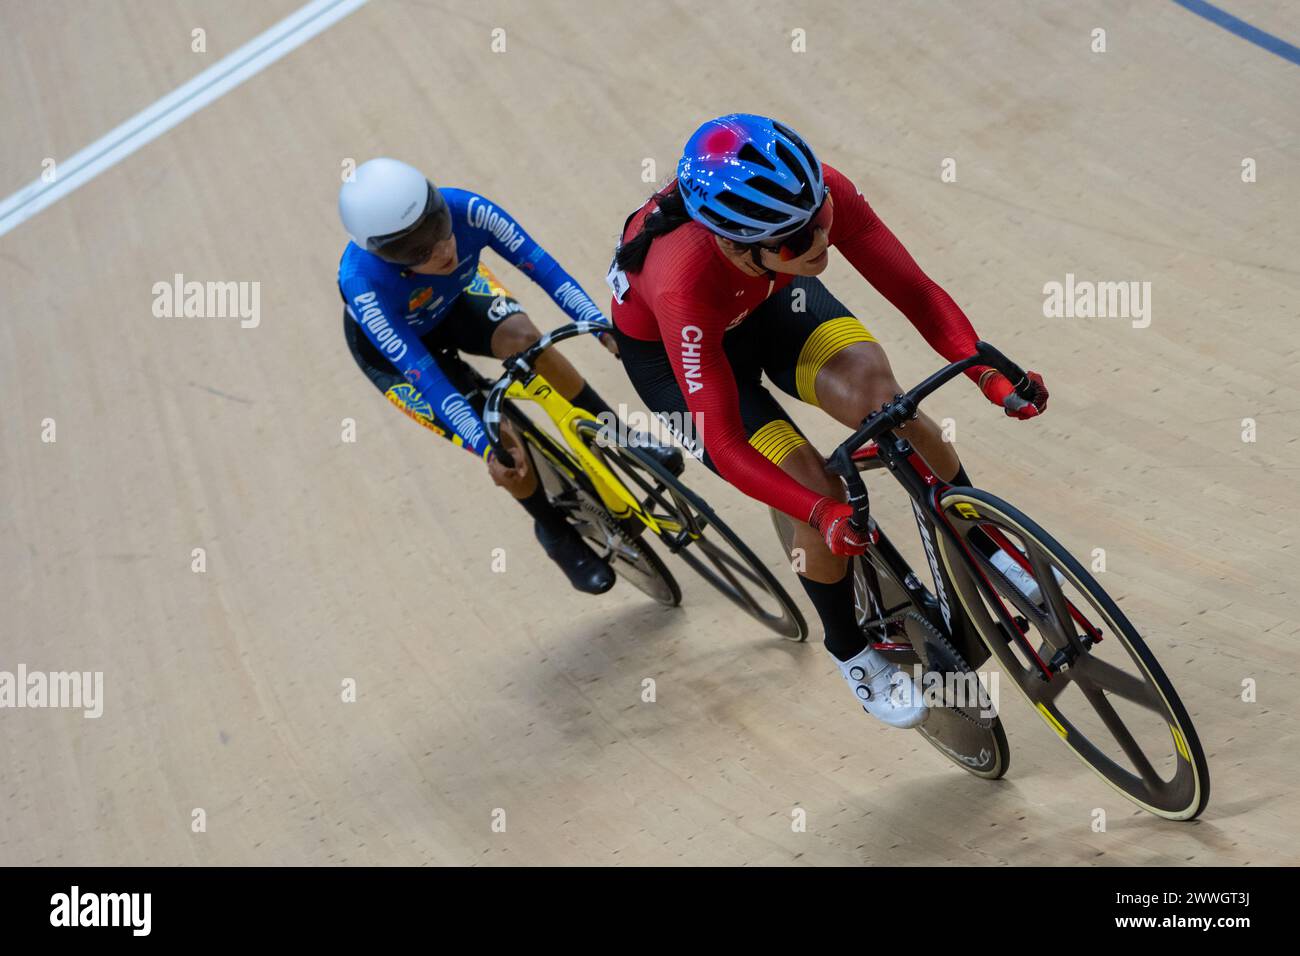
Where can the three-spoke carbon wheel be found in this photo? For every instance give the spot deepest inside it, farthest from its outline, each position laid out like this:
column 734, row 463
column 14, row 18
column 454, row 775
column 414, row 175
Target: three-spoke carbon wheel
column 1066, row 645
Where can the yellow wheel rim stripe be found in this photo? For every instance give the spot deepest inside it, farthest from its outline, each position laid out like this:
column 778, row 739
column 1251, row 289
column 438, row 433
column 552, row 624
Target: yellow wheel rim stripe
column 1051, row 720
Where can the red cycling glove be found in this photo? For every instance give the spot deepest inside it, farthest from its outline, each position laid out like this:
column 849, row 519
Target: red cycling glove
column 997, row 388
column 831, row 519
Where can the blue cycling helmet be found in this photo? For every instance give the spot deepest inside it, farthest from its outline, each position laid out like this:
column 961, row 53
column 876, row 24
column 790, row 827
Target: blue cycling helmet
column 750, row 178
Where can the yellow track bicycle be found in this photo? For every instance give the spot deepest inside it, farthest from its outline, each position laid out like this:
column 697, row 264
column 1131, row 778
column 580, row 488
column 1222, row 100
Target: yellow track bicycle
column 613, row 493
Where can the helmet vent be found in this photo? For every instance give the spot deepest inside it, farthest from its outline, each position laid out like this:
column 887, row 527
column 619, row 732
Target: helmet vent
column 749, row 153
column 805, row 197
column 751, row 209
column 799, row 144
column 800, row 200
column 714, row 219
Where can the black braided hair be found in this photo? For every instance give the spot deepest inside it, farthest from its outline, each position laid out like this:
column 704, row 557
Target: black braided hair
column 669, row 213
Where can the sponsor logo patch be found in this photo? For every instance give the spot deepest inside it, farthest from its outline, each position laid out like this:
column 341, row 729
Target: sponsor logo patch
column 485, row 216
column 405, row 396
column 368, row 314
column 502, row 307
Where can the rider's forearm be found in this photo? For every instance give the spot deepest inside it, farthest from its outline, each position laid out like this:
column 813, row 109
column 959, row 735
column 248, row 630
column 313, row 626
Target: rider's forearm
column 566, row 293
column 693, row 345
column 748, row 471
column 430, row 395
column 435, row 397
column 716, row 405
column 942, row 324
column 884, row 262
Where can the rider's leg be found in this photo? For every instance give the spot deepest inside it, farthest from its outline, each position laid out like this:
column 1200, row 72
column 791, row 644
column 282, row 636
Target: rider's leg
column 881, row 686
column 517, row 333
column 857, row 380
column 825, row 577
column 562, row 544
column 827, row 580
column 521, row 482
column 580, row 564
column 817, row 351
column 488, row 320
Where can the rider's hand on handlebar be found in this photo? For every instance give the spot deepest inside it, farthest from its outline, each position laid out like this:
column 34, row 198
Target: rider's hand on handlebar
column 831, row 519
column 501, row 475
column 997, row 388
column 610, row 343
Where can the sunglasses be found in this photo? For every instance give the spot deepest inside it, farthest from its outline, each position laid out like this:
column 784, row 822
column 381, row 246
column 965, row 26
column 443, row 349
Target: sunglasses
column 415, row 244
column 798, row 243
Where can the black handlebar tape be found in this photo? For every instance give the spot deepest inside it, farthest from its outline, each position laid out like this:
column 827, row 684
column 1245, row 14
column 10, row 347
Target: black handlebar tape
column 499, row 452
column 861, row 503
column 1024, row 387
column 1020, row 381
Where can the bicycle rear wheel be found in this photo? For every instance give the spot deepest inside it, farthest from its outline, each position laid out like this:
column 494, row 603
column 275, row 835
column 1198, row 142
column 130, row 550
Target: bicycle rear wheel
column 693, row 531
column 907, row 633
column 1072, row 652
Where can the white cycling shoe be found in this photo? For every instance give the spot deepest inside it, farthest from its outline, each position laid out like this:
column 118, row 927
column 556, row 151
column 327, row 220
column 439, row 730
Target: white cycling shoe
column 884, row 689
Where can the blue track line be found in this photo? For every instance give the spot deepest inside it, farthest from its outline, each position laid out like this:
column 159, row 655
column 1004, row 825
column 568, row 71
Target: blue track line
column 1243, row 29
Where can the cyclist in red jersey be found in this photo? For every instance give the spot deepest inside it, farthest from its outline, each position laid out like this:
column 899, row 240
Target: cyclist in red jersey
column 715, row 286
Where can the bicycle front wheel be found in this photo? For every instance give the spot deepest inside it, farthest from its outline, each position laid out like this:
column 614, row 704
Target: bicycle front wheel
column 689, row 528
column 1080, row 663
column 568, row 489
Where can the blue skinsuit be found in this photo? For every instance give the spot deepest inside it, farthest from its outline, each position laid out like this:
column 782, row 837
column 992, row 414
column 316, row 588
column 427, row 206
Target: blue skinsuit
column 395, row 310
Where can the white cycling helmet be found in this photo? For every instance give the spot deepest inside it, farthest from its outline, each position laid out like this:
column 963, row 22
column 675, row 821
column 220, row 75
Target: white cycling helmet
column 391, row 209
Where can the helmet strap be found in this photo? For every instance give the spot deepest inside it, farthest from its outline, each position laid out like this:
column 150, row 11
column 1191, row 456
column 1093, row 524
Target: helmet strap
column 756, row 257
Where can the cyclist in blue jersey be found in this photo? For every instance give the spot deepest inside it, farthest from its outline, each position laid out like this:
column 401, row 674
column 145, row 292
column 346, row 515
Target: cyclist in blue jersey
column 416, row 294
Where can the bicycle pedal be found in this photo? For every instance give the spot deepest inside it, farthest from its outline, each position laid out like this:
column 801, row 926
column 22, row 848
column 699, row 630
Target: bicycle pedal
column 886, row 646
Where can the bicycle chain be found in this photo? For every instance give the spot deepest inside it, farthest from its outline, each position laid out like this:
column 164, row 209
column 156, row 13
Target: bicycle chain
column 601, row 517
column 955, row 663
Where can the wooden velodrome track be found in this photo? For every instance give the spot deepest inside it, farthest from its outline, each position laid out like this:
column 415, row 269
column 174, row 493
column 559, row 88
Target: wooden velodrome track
column 370, row 561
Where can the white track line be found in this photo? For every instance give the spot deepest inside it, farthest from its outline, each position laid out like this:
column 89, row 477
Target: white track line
column 147, row 125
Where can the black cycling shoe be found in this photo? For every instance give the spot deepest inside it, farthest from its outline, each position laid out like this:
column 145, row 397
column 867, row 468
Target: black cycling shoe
column 584, row 569
column 667, row 456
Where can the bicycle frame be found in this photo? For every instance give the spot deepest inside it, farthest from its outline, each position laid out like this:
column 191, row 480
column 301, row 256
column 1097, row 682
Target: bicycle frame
column 923, row 487
column 612, row 492
column 522, row 382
